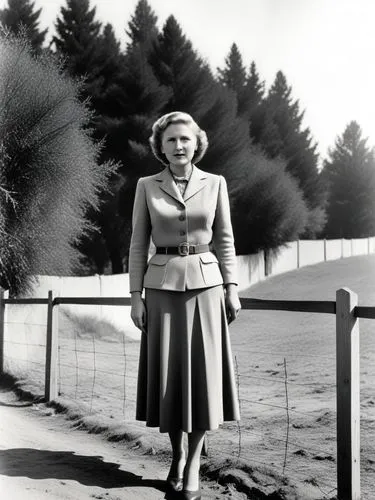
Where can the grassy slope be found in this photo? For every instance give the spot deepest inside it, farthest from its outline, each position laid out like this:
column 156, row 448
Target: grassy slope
column 261, row 342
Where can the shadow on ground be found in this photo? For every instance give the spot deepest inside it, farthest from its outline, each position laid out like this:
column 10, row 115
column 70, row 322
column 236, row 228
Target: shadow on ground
column 66, row 465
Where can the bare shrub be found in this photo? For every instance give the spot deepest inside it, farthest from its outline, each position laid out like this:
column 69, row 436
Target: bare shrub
column 49, row 171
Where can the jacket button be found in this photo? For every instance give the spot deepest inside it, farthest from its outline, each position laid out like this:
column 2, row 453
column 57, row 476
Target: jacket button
column 182, row 217
column 182, row 233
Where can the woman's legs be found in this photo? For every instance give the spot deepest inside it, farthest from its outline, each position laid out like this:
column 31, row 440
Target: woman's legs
column 178, row 454
column 191, row 474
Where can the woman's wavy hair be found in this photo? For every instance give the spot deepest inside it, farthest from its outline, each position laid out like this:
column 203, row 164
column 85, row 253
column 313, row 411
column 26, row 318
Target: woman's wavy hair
column 164, row 121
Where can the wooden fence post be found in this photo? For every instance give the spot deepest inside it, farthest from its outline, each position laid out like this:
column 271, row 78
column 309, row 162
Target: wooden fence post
column 3, row 295
column 347, row 394
column 50, row 391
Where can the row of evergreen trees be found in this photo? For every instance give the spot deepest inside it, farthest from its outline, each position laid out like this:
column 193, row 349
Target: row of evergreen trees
column 257, row 139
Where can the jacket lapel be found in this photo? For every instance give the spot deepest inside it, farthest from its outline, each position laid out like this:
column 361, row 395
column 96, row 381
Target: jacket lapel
column 196, row 183
column 168, row 185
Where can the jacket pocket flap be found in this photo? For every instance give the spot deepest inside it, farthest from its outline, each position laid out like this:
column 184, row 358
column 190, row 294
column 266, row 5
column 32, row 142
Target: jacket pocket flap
column 159, row 259
column 207, row 258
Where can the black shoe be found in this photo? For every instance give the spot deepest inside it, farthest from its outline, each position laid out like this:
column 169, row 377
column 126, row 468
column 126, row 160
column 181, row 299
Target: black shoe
column 191, row 495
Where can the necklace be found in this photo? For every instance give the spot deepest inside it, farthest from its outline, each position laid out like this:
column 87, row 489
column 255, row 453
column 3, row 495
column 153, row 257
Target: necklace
column 181, row 182
column 183, row 177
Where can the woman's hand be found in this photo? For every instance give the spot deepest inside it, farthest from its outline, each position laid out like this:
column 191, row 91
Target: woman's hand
column 232, row 302
column 138, row 311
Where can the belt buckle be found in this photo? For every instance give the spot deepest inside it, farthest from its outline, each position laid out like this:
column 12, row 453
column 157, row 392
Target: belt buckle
column 183, row 248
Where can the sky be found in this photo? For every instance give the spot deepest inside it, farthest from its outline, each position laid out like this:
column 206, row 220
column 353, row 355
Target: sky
column 326, row 49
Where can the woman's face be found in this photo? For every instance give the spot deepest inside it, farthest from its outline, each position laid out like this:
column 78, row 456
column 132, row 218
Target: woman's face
column 179, row 143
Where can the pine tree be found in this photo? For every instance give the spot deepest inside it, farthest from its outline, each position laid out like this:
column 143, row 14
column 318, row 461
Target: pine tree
column 252, row 101
column 350, row 176
column 142, row 26
column 282, row 136
column 255, row 182
column 247, row 88
column 94, row 53
column 20, row 15
column 78, row 41
column 105, row 73
column 133, row 104
column 254, row 86
column 233, row 75
column 89, row 52
column 178, row 67
column 137, row 97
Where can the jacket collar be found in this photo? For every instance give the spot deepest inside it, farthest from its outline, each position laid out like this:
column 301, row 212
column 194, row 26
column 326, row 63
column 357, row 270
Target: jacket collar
column 195, row 184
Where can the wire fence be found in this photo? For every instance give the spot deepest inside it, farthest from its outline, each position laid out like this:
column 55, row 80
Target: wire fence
column 25, row 342
column 287, row 395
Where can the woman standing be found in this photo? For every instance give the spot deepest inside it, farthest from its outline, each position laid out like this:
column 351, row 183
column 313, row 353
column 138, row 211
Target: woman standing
column 186, row 379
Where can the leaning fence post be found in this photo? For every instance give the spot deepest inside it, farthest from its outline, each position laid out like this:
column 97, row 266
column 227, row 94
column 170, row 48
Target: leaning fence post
column 347, row 394
column 50, row 391
column 3, row 295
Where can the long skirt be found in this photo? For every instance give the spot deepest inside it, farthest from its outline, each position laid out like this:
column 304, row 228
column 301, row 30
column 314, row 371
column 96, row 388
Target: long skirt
column 186, row 379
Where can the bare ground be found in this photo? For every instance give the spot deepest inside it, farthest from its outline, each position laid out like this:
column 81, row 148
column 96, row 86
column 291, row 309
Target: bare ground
column 270, row 348
column 43, row 457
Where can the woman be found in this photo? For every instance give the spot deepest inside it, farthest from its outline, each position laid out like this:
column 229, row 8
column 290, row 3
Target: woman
column 186, row 378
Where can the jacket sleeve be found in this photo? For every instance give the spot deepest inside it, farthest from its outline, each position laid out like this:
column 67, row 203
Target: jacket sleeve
column 223, row 239
column 140, row 239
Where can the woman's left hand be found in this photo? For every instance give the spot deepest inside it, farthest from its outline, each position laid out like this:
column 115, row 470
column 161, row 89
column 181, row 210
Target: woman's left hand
column 232, row 302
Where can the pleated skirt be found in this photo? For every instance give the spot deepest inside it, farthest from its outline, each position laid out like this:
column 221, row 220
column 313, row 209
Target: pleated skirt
column 186, row 378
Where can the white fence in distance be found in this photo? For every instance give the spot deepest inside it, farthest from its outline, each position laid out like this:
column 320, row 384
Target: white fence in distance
column 252, row 269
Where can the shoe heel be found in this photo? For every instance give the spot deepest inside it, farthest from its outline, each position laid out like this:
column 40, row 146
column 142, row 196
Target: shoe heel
column 191, row 495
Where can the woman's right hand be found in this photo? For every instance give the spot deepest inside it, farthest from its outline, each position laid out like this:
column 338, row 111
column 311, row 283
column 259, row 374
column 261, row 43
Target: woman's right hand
column 138, row 311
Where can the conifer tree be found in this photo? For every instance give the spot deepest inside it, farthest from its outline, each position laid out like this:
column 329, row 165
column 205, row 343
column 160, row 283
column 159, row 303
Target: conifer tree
column 254, row 85
column 135, row 101
column 89, row 52
column 252, row 99
column 77, row 40
column 142, row 29
column 233, row 75
column 105, row 74
column 251, row 176
column 93, row 53
column 21, row 15
column 248, row 88
column 350, row 175
column 282, row 136
column 178, row 67
column 139, row 96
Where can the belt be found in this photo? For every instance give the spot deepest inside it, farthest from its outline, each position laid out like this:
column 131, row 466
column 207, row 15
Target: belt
column 184, row 249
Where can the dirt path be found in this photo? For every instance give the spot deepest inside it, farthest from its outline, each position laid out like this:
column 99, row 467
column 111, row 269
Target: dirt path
column 42, row 457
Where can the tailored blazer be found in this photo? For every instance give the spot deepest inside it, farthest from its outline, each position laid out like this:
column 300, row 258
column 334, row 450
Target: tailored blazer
column 201, row 216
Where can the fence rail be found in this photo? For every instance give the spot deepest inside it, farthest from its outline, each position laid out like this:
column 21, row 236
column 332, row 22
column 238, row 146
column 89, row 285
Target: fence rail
column 347, row 313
